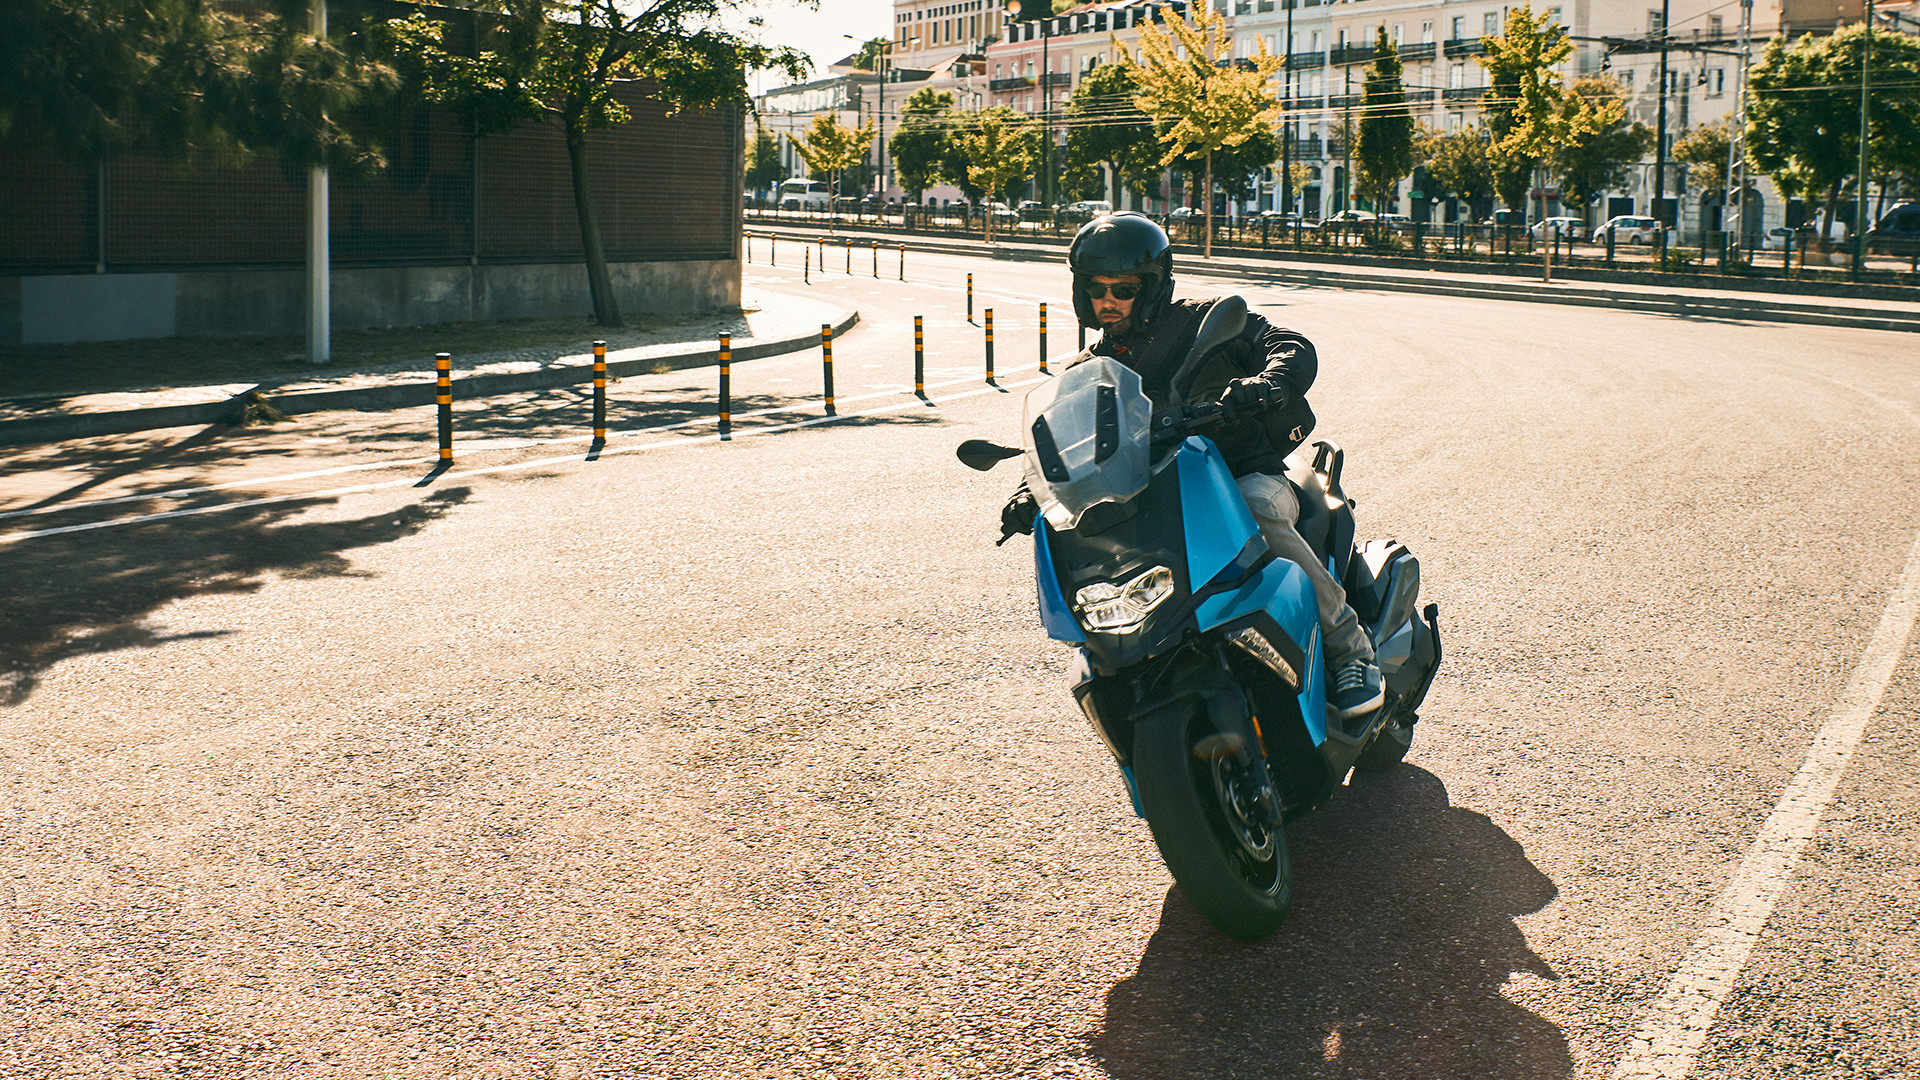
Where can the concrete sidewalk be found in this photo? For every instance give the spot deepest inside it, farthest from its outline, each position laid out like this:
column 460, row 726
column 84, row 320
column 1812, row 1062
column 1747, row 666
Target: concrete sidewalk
column 769, row 324
column 1690, row 295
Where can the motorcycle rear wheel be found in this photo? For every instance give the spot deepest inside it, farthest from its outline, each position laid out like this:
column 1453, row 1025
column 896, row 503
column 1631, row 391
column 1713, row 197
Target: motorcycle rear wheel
column 1229, row 865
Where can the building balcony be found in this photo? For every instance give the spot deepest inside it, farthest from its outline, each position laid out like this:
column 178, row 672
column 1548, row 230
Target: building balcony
column 1001, row 86
column 1457, row 47
column 1419, row 97
column 1308, row 104
column 1352, row 54
column 1463, row 94
column 1306, row 61
column 1422, row 51
column 1056, row 78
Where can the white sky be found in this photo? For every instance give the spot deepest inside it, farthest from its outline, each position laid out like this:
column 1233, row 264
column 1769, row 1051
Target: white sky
column 815, row 32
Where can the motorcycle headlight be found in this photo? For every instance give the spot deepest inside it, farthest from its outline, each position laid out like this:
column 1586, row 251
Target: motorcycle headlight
column 1119, row 609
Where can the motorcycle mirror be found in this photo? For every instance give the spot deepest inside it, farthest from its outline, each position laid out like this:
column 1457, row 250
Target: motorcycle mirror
column 983, row 455
column 1225, row 320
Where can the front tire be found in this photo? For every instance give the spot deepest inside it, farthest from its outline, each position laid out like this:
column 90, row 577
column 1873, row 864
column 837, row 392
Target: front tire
column 1231, row 866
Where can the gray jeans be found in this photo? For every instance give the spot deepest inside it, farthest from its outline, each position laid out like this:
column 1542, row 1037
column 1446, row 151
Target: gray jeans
column 1275, row 509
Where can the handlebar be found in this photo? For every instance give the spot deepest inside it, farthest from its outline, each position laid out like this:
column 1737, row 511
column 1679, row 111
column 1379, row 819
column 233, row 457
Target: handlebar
column 1181, row 420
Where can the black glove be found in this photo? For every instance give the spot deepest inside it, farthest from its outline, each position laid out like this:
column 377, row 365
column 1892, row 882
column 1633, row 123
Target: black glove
column 1017, row 516
column 1250, row 397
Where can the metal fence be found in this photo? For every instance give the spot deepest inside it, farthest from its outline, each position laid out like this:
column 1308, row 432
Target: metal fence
column 1799, row 255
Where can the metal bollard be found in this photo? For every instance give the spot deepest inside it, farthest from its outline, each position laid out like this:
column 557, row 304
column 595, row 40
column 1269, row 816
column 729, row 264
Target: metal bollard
column 773, row 244
column 806, row 266
column 826, row 362
column 919, row 357
column 969, row 297
column 1043, row 339
column 849, row 244
column 599, row 391
column 726, row 387
column 903, row 262
column 876, row 260
column 989, row 312
column 443, row 396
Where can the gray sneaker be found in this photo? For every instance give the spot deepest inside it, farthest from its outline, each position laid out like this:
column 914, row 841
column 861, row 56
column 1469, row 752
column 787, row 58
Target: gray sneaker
column 1357, row 689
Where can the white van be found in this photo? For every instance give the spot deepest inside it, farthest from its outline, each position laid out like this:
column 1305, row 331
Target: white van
column 803, row 195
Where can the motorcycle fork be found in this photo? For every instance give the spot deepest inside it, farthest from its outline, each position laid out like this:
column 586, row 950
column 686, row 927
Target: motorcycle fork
column 1238, row 736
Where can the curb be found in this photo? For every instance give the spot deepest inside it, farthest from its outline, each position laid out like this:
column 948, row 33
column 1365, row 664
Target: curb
column 368, row 398
column 1751, row 307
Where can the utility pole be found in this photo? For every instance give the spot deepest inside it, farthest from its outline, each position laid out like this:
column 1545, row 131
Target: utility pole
column 1860, row 189
column 1046, row 105
column 1286, row 120
column 319, row 259
column 1346, row 141
column 1660, row 130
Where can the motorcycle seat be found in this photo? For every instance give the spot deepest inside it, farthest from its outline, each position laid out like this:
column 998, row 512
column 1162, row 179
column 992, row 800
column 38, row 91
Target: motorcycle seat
column 1325, row 522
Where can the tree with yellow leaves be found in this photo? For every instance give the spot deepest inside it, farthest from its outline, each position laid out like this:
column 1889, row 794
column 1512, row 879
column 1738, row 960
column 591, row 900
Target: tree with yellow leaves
column 1189, row 76
column 828, row 147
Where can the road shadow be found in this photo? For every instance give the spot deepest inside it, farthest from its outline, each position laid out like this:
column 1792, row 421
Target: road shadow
column 1390, row 965
column 91, row 592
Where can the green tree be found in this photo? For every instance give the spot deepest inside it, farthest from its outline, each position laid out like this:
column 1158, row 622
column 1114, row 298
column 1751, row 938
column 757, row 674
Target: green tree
column 1188, row 76
column 1106, row 128
column 1803, row 122
column 872, row 52
column 1525, row 113
column 832, row 148
column 1460, row 163
column 180, row 75
column 1597, row 158
column 1236, row 169
column 764, row 171
column 538, row 60
column 999, row 147
column 1704, row 150
column 1385, row 151
column 919, row 145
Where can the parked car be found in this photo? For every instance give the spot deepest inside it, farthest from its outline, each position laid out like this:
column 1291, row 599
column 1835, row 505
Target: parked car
column 1571, row 228
column 1776, row 238
column 1627, row 229
column 803, row 195
column 1347, row 219
column 1182, row 213
column 1085, row 210
column 1502, row 218
column 1031, row 210
column 1399, row 223
column 1897, row 232
column 1283, row 219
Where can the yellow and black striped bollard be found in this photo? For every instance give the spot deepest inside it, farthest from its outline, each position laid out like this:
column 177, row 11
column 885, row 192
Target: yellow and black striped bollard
column 443, row 397
column 773, row 249
column 849, row 245
column 919, row 357
column 989, row 312
column 969, row 297
column 903, row 262
column 806, row 266
column 826, row 363
column 1043, row 339
column 876, row 260
column 600, row 391
column 726, row 387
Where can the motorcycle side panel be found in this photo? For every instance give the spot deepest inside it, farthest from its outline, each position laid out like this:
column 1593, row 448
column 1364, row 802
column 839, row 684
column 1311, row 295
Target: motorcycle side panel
column 1218, row 521
column 1283, row 591
column 1055, row 616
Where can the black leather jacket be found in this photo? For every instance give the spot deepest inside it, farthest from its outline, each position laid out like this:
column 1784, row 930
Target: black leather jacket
column 1283, row 359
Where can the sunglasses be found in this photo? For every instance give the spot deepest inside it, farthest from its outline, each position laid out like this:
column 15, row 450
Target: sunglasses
column 1094, row 290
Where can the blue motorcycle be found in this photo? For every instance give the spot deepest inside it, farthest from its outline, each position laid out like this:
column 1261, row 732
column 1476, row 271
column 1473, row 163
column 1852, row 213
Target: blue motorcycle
column 1199, row 656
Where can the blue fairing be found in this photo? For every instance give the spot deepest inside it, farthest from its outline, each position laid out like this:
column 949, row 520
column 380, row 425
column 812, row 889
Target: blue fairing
column 1055, row 616
column 1218, row 521
column 1218, row 528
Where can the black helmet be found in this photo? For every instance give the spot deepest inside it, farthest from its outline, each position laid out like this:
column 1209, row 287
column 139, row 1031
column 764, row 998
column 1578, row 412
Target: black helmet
column 1122, row 244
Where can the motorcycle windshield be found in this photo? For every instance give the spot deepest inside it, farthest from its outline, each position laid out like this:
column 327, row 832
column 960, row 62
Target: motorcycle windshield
column 1087, row 439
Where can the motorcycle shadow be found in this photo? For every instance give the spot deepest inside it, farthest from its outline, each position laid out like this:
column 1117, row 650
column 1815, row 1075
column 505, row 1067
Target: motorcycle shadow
column 1390, row 964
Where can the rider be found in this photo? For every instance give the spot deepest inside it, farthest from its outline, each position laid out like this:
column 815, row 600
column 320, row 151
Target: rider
column 1122, row 269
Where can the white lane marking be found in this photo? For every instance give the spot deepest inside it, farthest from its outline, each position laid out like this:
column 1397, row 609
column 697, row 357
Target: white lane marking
column 1677, row 1023
column 769, row 429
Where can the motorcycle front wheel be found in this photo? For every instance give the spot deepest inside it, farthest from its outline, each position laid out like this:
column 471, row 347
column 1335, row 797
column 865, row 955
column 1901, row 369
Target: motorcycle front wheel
column 1230, row 865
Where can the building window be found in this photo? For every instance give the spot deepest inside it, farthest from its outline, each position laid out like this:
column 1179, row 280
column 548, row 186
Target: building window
column 1457, row 77
column 1553, row 16
column 1490, row 23
column 1459, row 27
column 1456, row 121
column 1654, row 26
column 1396, row 35
column 1715, row 28
column 1716, row 82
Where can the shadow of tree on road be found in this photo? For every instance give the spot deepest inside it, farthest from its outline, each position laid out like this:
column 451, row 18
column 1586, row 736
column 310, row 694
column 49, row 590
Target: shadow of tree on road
column 1391, row 964
column 90, row 592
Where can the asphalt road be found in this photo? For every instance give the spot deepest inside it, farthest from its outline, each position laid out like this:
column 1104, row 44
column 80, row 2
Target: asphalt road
column 749, row 758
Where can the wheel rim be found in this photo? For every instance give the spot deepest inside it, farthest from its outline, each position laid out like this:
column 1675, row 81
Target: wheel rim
column 1253, row 845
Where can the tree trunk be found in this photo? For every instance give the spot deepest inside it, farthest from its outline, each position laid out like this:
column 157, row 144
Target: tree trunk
column 606, row 309
column 1206, row 193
